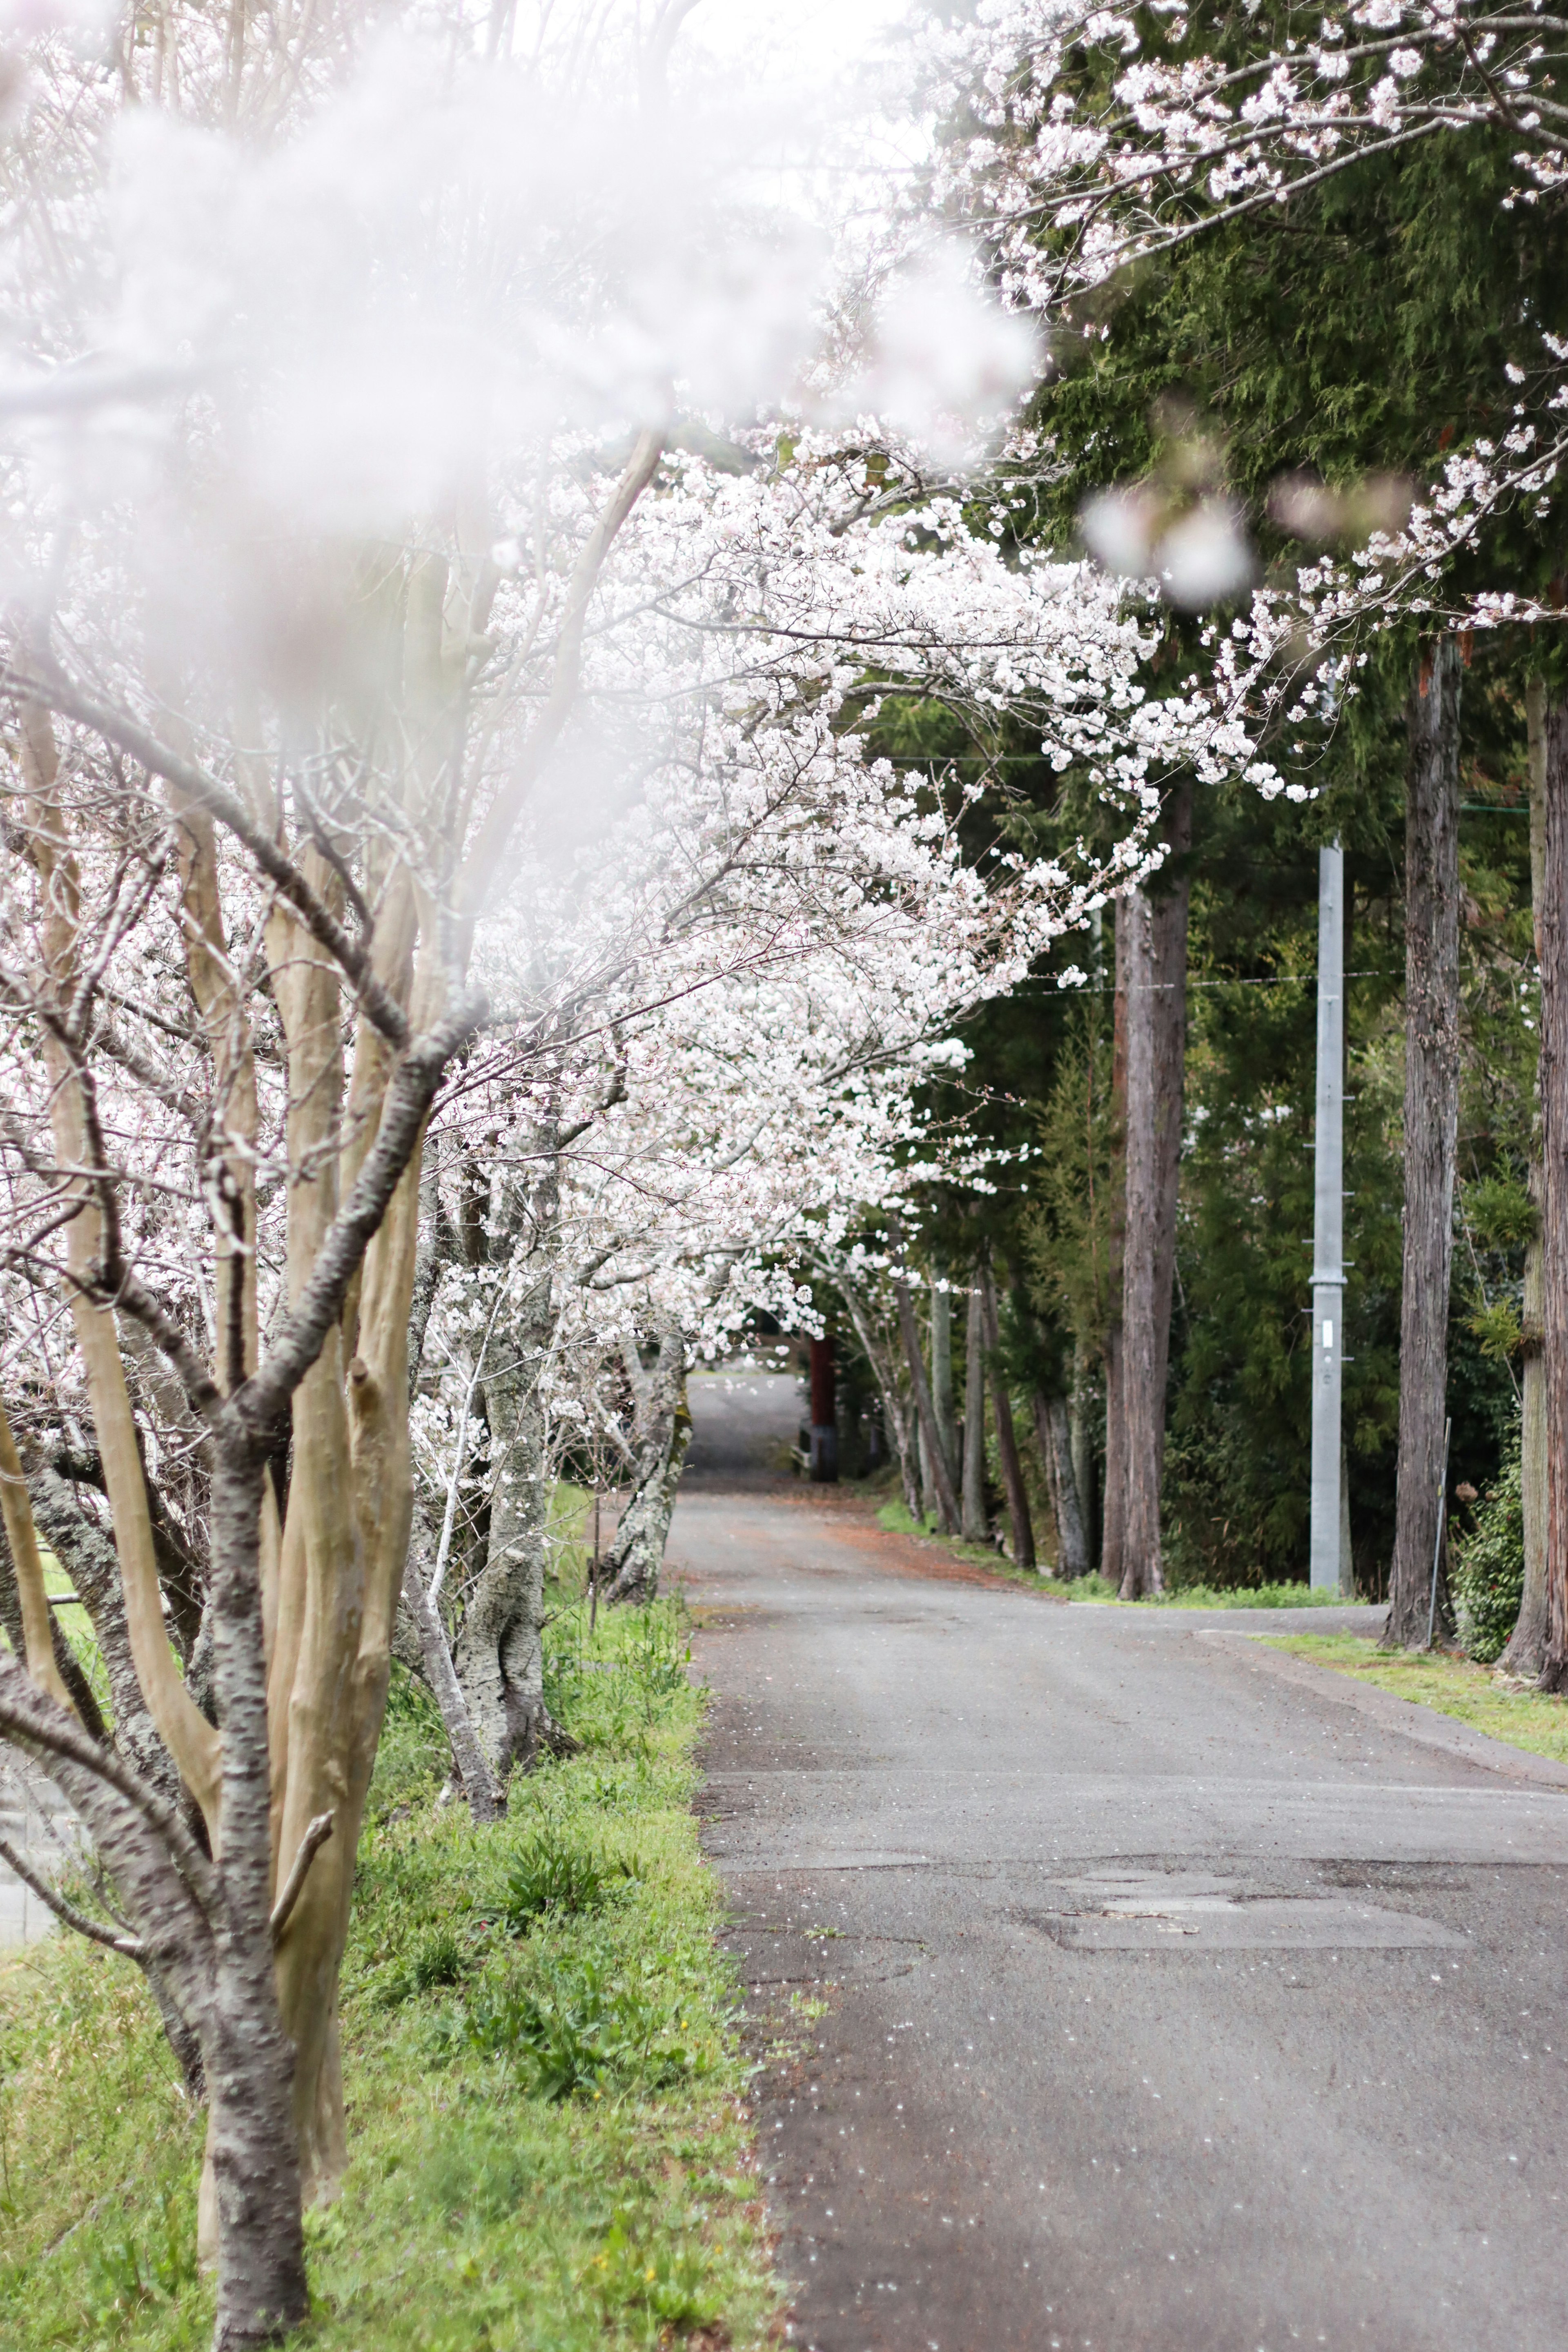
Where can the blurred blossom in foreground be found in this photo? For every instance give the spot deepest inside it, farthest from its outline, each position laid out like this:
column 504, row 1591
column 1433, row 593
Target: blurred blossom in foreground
column 940, row 362
column 1199, row 554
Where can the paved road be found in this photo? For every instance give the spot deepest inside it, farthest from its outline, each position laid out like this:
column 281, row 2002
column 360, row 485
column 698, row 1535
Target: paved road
column 36, row 1821
column 1173, row 2005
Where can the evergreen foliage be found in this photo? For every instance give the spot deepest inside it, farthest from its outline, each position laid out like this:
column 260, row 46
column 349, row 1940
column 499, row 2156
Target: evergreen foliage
column 1487, row 1577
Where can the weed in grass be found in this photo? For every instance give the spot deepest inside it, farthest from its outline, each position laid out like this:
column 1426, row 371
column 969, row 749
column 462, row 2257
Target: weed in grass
column 438, row 1958
column 666, row 2284
column 583, row 2026
column 124, row 2274
column 554, row 1873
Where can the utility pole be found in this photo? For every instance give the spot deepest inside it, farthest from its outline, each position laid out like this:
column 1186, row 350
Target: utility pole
column 1329, row 1563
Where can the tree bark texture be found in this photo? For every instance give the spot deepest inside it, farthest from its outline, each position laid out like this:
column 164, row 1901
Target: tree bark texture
column 253, row 2137
column 1052, row 1434
column 1006, row 1435
column 942, row 1389
column 480, row 1786
column 1113, row 1514
column 894, row 1419
column 1526, row 1652
column 975, row 1524
column 946, row 1500
column 1431, row 1129
column 499, row 1657
column 1082, row 1443
column 1555, row 1219
column 930, row 1507
column 1156, row 993
column 636, row 1549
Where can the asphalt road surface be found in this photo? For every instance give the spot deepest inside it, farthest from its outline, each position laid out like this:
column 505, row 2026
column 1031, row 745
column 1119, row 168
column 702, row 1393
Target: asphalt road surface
column 1170, row 2000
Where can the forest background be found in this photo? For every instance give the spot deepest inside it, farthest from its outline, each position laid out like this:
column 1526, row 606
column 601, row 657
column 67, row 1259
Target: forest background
column 1348, row 339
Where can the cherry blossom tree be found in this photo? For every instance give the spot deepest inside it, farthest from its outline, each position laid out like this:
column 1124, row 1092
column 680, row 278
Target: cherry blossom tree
column 440, row 612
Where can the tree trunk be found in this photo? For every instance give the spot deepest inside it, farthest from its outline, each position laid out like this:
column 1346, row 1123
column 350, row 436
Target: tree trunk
column 636, row 1550
column 894, row 1418
column 1081, row 1451
column 975, row 1524
column 946, row 1500
column 942, row 1391
column 1156, row 1018
column 1113, row 1515
column 1431, row 1130
column 1053, row 1431
column 253, row 2141
column 1526, row 1652
column 500, row 1656
column 1555, row 1219
column 1007, row 1436
column 480, row 1785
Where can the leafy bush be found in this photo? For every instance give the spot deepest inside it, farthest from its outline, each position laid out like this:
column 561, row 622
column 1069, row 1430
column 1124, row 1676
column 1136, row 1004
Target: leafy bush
column 1488, row 1579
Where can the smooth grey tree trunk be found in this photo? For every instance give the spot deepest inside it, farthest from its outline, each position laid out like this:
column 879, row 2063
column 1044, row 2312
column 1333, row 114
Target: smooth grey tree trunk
column 1052, row 1434
column 946, row 1500
column 499, row 1653
column 1006, row 1435
column 474, row 1767
column 895, row 1420
column 941, row 1389
column 1526, row 1652
column 1081, row 1442
column 635, row 1554
column 1431, row 1130
column 1156, row 991
column 929, row 1508
column 975, row 1524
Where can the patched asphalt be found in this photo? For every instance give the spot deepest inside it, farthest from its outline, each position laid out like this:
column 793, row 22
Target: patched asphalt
column 1167, row 2001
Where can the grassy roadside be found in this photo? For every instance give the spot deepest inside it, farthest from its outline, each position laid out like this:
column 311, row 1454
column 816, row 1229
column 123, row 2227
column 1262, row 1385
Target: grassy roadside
column 897, row 1519
column 549, row 2148
column 1524, row 1719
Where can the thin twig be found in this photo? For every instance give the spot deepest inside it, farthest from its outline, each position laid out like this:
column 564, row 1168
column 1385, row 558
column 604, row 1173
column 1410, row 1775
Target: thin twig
column 316, row 1832
column 131, row 1946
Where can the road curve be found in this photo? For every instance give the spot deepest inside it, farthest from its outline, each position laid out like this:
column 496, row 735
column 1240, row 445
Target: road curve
column 1172, row 2005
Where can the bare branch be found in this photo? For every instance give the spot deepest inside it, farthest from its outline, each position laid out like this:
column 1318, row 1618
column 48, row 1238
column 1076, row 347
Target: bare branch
column 316, row 1832
column 131, row 1946
column 54, row 690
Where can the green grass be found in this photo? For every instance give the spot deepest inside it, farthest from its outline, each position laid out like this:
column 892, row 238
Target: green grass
column 900, row 1521
column 1453, row 1685
column 549, row 2148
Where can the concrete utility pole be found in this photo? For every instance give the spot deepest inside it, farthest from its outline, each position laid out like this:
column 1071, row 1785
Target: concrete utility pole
column 1329, row 1554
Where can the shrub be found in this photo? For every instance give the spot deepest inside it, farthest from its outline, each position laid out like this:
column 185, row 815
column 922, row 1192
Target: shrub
column 1488, row 1580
